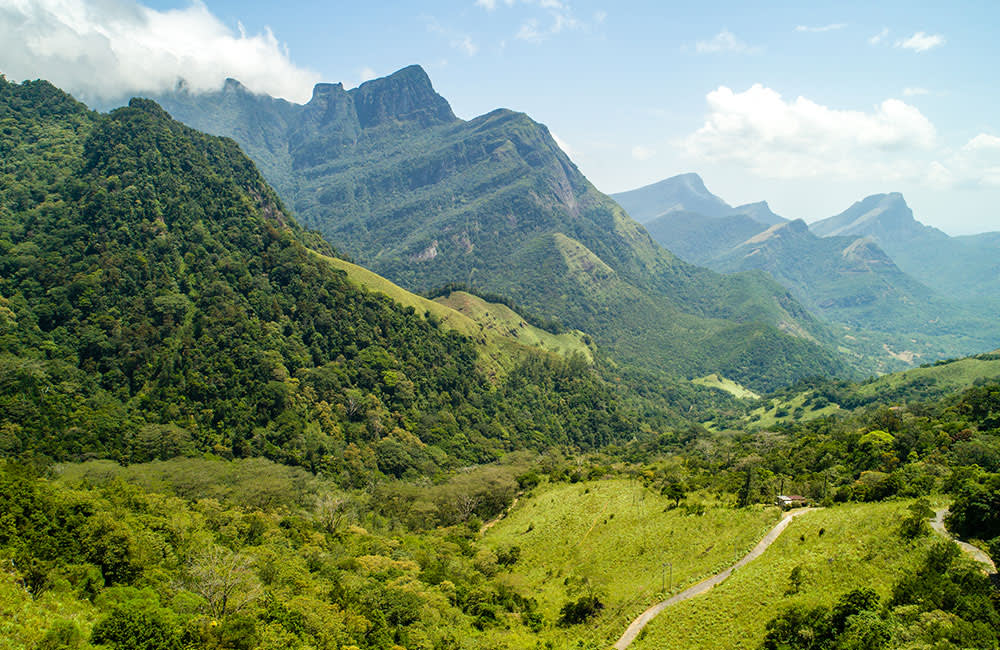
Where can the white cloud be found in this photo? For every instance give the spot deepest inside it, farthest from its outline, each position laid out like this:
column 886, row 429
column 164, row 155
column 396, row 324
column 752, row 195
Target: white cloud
column 974, row 165
column 529, row 31
column 776, row 138
column 724, row 41
column 983, row 142
column 102, row 50
column 881, row 36
column 639, row 152
column 912, row 91
column 821, row 28
column 921, row 42
column 490, row 5
column 558, row 17
column 466, row 45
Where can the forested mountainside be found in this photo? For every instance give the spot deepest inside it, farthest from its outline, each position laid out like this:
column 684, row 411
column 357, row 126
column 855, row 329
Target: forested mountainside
column 390, row 176
column 156, row 300
column 966, row 268
column 835, row 268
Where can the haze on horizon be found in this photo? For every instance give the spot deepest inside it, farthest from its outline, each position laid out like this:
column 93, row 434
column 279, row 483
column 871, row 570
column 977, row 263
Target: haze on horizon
column 809, row 108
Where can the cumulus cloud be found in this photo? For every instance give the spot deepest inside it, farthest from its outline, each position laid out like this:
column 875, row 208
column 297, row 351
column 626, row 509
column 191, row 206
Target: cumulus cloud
column 724, row 41
column 976, row 164
column 820, row 28
column 639, row 152
column 920, row 42
column 102, row 50
column 776, row 138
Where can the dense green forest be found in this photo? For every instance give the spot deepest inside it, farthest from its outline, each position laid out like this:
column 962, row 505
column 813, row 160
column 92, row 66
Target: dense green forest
column 247, row 553
column 157, row 301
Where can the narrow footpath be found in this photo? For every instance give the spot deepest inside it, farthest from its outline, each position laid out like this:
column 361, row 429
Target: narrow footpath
column 976, row 554
column 633, row 630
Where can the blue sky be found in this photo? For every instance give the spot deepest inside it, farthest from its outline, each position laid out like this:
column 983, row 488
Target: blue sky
column 808, row 105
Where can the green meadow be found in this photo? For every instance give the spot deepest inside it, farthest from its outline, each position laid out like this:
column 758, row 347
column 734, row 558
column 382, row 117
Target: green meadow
column 612, row 538
column 836, row 549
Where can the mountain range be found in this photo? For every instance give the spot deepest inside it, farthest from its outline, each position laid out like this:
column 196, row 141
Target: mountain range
column 390, row 177
column 838, row 267
column 966, row 268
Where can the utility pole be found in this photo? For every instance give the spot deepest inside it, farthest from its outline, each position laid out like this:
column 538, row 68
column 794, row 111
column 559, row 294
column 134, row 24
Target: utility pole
column 663, row 571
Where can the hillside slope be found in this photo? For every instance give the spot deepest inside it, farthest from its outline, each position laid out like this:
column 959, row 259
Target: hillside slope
column 966, row 268
column 156, row 300
column 387, row 174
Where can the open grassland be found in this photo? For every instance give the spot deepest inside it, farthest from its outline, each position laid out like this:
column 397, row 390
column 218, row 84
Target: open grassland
column 944, row 377
column 799, row 408
column 612, row 538
column 500, row 334
column 504, row 321
column 727, row 385
column 858, row 547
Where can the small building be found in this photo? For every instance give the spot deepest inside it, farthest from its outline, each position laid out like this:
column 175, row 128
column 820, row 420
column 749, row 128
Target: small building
column 786, row 501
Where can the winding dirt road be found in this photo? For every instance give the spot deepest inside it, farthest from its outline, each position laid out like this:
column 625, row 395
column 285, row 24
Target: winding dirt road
column 636, row 626
column 976, row 554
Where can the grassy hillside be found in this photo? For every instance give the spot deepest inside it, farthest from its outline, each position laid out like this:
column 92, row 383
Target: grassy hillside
column 836, row 549
column 501, row 335
column 937, row 379
column 498, row 320
column 822, row 397
column 611, row 538
column 727, row 385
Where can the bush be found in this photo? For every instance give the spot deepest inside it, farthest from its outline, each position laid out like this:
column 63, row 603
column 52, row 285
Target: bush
column 138, row 627
column 579, row 611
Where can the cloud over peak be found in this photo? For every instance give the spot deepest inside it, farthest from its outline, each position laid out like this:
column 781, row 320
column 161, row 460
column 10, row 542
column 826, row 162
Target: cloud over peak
column 102, row 51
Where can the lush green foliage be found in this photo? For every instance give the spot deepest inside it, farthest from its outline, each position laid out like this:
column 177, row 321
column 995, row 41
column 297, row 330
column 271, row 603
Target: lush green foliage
column 156, row 301
column 945, row 603
column 159, row 571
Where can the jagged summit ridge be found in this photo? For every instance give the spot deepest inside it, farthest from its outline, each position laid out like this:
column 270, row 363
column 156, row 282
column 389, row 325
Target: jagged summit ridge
column 883, row 217
column 404, row 95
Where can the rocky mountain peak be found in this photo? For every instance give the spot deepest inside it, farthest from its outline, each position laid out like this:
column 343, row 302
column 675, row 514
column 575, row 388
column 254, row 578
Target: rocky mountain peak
column 406, row 95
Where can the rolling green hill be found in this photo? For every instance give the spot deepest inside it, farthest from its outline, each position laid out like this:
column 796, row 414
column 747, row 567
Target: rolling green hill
column 425, row 199
column 927, row 382
column 156, row 300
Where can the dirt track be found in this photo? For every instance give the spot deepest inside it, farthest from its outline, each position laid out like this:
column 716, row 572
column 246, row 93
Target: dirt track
column 975, row 553
column 636, row 626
